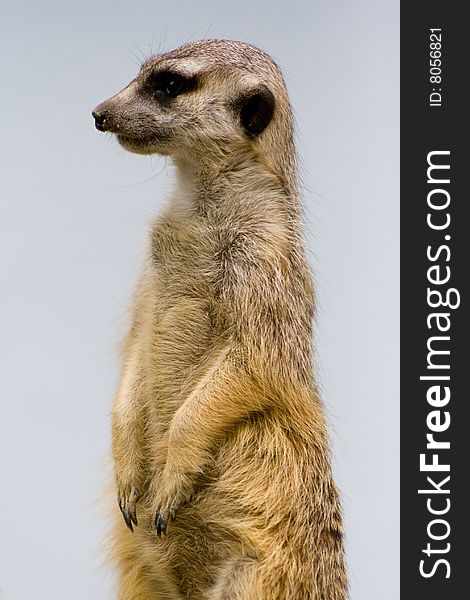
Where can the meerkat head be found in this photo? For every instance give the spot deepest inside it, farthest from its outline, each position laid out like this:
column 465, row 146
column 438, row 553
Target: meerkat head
column 201, row 101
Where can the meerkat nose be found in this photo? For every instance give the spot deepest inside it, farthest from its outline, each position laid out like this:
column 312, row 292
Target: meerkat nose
column 100, row 120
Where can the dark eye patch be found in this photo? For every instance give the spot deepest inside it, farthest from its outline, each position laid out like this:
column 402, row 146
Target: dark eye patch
column 168, row 84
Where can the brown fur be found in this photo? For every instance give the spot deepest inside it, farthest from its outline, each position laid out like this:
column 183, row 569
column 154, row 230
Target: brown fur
column 217, row 419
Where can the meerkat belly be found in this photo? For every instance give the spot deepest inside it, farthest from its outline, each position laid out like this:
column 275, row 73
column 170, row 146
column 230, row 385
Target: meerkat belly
column 243, row 501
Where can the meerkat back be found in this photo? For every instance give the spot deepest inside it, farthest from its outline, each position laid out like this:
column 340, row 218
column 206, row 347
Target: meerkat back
column 220, row 446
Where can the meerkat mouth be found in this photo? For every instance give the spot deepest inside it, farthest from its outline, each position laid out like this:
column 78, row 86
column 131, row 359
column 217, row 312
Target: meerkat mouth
column 135, row 141
column 140, row 144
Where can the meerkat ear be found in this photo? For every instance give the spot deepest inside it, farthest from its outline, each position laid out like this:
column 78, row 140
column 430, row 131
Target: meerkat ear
column 256, row 110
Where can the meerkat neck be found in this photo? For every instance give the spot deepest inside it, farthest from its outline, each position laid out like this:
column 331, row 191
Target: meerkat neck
column 249, row 184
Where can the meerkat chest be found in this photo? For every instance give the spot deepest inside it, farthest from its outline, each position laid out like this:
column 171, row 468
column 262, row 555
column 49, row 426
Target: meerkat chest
column 183, row 256
column 182, row 301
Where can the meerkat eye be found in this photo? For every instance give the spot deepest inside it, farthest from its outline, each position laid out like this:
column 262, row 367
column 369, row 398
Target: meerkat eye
column 168, row 84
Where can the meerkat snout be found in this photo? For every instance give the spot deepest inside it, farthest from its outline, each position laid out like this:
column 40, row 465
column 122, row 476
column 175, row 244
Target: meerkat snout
column 100, row 120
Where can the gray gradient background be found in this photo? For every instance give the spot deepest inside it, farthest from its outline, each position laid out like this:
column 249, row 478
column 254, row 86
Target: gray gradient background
column 74, row 214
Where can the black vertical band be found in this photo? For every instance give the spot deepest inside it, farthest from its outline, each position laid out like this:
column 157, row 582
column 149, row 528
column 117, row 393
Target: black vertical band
column 435, row 269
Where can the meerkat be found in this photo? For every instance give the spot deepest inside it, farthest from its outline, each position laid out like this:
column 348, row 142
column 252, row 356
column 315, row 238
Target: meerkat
column 220, row 445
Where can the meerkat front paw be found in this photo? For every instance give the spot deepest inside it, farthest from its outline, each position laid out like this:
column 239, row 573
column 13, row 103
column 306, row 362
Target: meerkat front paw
column 128, row 496
column 168, row 500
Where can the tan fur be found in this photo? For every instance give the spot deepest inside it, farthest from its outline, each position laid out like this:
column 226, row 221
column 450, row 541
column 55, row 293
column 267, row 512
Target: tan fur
column 217, row 419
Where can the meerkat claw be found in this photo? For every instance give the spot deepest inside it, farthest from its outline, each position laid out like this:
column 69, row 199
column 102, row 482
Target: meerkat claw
column 161, row 523
column 133, row 516
column 128, row 522
column 128, row 508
